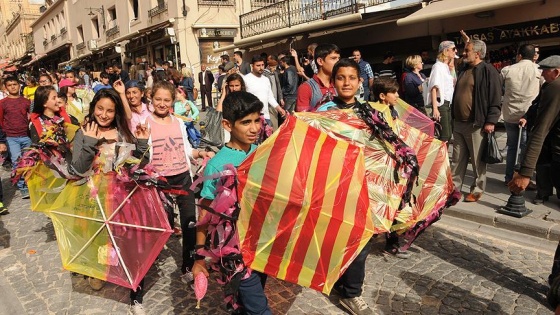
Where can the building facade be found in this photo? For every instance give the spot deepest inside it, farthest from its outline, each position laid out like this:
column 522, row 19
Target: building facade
column 16, row 17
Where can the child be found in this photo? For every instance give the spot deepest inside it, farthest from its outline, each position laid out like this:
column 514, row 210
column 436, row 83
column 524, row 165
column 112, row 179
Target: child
column 134, row 91
column 241, row 114
column 62, row 101
column 345, row 78
column 14, row 121
column 385, row 91
column 105, row 126
column 47, row 111
column 75, row 104
column 171, row 156
column 186, row 108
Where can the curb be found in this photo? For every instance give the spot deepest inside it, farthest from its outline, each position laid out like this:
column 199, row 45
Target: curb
column 530, row 226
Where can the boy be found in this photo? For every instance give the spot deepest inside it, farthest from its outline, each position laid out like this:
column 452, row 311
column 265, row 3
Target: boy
column 385, row 91
column 241, row 117
column 14, row 121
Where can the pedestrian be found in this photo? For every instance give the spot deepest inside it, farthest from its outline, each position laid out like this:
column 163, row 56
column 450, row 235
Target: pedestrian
column 346, row 80
column 319, row 89
column 413, row 83
column 206, row 79
column 386, row 68
column 260, row 86
column 521, row 87
column 75, row 104
column 122, row 74
column 139, row 111
column 215, row 132
column 14, row 121
column 171, row 157
column 441, row 86
column 189, row 113
column 30, row 88
column 243, row 67
column 107, row 124
column 3, row 150
column 241, row 112
column 366, row 73
column 46, row 112
column 476, row 110
column 289, row 83
column 187, row 82
column 104, row 84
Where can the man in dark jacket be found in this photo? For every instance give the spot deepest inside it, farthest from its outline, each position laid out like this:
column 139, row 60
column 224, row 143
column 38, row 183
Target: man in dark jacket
column 289, row 83
column 206, row 79
column 476, row 108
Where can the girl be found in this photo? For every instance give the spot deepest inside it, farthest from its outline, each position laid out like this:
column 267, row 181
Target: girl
column 75, row 104
column 30, row 88
column 46, row 112
column 105, row 126
column 171, row 156
column 189, row 113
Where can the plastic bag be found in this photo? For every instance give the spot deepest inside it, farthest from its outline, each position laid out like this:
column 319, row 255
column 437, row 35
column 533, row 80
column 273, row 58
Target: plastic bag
column 492, row 153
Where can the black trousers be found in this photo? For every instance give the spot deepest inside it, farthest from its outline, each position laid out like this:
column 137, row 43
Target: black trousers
column 187, row 216
column 206, row 93
column 351, row 282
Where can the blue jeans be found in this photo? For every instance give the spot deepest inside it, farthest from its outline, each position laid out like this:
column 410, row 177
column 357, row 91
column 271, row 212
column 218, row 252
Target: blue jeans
column 512, row 132
column 251, row 294
column 16, row 145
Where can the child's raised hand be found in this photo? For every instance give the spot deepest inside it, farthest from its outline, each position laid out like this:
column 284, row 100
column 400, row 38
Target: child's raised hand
column 142, row 131
column 91, row 130
column 119, row 86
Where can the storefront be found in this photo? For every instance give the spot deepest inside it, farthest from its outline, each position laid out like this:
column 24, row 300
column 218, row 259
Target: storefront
column 214, row 38
column 503, row 40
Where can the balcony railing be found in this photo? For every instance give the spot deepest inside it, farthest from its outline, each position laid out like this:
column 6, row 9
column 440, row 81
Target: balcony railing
column 289, row 13
column 112, row 31
column 53, row 37
column 63, row 31
column 262, row 3
column 45, row 42
column 159, row 9
column 80, row 46
column 216, row 2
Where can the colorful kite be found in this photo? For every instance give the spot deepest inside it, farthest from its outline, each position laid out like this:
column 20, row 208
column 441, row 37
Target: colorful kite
column 304, row 206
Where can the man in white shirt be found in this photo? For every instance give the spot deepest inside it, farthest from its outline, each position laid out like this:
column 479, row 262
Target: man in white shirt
column 521, row 87
column 259, row 85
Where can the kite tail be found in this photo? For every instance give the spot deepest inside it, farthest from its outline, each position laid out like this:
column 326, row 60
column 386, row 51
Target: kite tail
column 222, row 245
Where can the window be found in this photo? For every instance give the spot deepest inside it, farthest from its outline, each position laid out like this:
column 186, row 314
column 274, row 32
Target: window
column 133, row 8
column 80, row 34
column 95, row 27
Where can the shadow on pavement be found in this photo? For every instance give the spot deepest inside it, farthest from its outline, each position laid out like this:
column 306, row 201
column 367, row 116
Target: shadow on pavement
column 49, row 231
column 441, row 297
column 470, row 259
column 4, row 236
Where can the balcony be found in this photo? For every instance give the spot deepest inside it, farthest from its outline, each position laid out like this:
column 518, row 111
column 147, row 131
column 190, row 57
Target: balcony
column 81, row 46
column 262, row 3
column 217, row 2
column 53, row 37
column 159, row 9
column 45, row 42
column 112, row 31
column 63, row 31
column 289, row 13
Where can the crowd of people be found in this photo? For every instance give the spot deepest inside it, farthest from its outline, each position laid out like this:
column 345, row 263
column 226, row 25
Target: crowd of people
column 157, row 112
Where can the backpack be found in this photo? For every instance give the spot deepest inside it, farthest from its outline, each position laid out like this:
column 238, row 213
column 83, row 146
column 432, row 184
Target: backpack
column 316, row 94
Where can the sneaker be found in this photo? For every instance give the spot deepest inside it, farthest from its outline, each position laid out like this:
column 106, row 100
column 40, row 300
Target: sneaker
column 3, row 210
column 539, row 200
column 356, row 306
column 96, row 284
column 137, row 309
column 397, row 252
column 187, row 277
column 24, row 194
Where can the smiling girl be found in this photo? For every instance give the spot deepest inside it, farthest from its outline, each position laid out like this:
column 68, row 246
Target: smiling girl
column 171, row 157
column 46, row 112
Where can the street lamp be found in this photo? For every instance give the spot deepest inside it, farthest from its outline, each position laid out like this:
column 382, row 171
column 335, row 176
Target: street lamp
column 100, row 10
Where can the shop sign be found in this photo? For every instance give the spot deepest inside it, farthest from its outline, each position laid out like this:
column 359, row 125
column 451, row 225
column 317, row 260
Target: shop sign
column 527, row 31
column 209, row 57
column 217, row 32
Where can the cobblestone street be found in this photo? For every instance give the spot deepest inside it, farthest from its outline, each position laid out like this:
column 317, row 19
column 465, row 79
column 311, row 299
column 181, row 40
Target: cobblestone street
column 451, row 271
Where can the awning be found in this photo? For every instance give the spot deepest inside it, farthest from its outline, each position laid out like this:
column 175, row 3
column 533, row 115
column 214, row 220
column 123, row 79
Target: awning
column 135, row 34
column 286, row 32
column 34, row 59
column 441, row 9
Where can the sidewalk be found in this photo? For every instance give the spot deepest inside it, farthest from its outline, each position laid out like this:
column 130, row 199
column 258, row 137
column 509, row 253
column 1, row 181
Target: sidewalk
column 543, row 222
